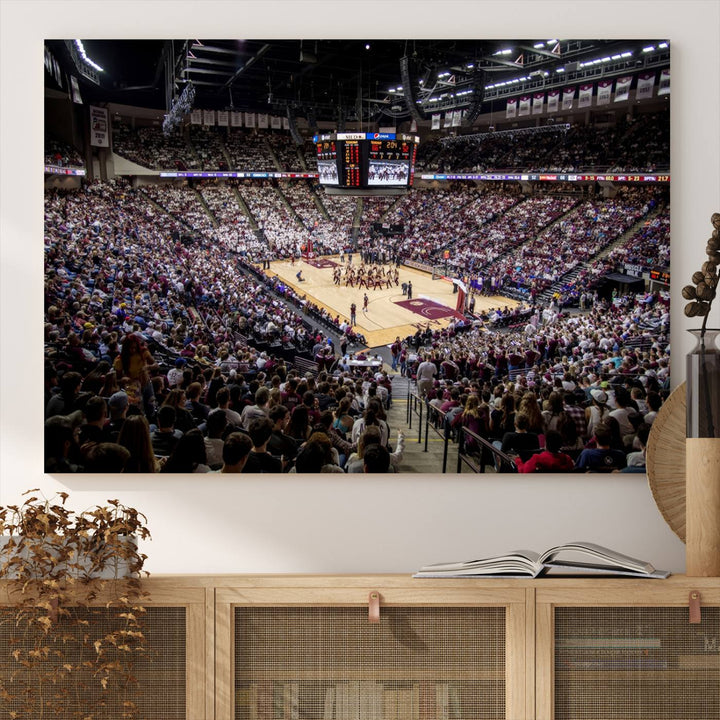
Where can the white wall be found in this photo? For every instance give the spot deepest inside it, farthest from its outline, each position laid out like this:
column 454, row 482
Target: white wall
column 347, row 524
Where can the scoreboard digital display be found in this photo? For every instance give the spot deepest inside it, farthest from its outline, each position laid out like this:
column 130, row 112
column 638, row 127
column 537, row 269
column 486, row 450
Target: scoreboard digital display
column 366, row 160
column 351, row 163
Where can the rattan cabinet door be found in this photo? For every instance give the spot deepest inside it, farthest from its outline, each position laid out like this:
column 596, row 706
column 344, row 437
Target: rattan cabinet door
column 328, row 662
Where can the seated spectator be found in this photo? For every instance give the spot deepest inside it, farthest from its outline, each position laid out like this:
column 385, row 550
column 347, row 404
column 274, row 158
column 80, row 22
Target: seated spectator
column 189, row 455
column 61, row 448
column 520, row 442
column 257, row 411
column 281, row 444
column 636, row 460
column 118, row 405
column 135, row 436
column 550, row 460
column 106, row 457
column 259, row 459
column 602, row 458
column 93, row 430
column 654, row 401
column 236, row 449
column 372, row 436
column 216, row 424
column 317, row 455
column 166, row 436
column 194, row 406
column 376, row 460
column 67, row 400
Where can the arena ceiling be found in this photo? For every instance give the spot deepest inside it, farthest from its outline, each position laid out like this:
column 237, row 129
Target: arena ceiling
column 333, row 80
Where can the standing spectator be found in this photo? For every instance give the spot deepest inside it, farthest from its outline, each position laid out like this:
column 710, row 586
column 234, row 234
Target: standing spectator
column 133, row 366
column 426, row 373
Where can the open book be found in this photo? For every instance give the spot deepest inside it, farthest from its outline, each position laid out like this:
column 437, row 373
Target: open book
column 575, row 558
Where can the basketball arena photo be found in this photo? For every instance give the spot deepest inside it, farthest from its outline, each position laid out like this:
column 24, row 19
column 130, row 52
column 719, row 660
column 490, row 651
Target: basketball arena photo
column 304, row 256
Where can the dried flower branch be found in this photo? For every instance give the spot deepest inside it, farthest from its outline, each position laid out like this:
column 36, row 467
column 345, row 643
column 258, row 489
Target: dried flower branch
column 702, row 293
column 73, row 615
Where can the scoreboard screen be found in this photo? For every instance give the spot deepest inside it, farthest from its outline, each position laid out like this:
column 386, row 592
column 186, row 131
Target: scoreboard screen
column 389, row 162
column 366, row 160
column 327, row 162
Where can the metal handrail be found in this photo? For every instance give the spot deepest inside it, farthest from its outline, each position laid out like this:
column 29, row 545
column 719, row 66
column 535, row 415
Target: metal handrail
column 504, row 462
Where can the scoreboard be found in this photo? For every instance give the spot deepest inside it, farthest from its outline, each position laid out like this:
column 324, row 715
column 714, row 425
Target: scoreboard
column 366, row 160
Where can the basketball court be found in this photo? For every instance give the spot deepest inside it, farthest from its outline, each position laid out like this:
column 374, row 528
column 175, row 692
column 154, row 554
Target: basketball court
column 389, row 312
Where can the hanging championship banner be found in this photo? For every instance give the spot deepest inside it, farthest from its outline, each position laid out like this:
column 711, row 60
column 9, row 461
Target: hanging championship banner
column 75, row 90
column 222, row 118
column 99, row 135
column 413, row 126
column 448, row 119
column 664, row 86
column 604, row 92
column 275, row 122
column 553, row 101
column 457, row 118
column 249, row 120
column 511, row 108
column 57, row 72
column 286, row 123
column 538, row 102
column 435, row 122
column 645, row 85
column 196, row 117
column 585, row 96
column 262, row 120
column 235, row 118
column 622, row 88
column 567, row 98
column 524, row 105
column 208, row 117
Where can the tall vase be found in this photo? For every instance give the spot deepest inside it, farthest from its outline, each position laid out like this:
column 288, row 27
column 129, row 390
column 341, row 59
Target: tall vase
column 702, row 476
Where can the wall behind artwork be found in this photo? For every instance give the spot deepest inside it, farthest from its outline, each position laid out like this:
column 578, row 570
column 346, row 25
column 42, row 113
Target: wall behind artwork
column 264, row 524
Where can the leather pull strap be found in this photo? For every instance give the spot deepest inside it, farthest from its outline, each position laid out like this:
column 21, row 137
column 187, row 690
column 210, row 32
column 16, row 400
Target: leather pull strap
column 694, row 604
column 374, row 607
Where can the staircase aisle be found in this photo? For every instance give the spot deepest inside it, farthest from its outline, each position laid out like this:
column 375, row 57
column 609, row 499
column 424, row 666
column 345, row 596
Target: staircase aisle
column 415, row 459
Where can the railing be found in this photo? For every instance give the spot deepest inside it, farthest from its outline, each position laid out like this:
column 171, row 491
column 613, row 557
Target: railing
column 416, row 406
column 436, row 420
column 433, row 420
column 477, row 463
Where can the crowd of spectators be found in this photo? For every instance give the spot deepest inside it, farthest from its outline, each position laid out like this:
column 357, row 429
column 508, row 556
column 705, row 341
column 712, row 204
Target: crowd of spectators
column 62, row 154
column 151, row 148
column 636, row 144
column 595, row 378
column 192, row 343
column 578, row 237
column 249, row 150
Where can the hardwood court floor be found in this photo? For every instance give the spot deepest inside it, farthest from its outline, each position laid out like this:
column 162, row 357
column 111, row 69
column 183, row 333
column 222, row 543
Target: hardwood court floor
column 384, row 319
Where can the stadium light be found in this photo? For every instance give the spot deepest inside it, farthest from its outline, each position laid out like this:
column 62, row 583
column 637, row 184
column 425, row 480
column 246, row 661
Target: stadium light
column 649, row 48
column 83, row 55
